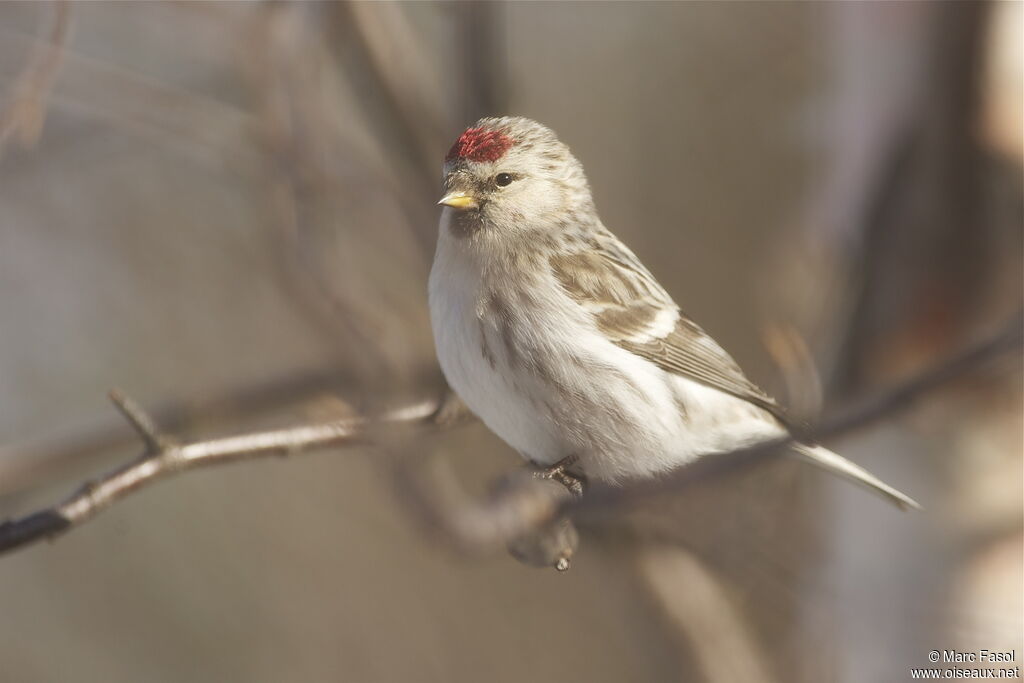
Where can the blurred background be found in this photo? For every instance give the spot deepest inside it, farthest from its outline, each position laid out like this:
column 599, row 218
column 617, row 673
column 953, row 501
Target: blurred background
column 227, row 209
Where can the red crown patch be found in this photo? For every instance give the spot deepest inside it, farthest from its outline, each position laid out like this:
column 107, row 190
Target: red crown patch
column 477, row 144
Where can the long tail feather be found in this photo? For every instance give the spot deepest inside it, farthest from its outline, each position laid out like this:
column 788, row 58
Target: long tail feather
column 837, row 464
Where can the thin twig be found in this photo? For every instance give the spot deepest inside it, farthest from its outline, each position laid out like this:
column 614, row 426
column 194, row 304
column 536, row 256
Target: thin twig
column 143, row 424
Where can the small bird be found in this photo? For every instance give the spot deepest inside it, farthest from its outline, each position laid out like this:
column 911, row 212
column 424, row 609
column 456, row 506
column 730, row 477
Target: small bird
column 556, row 336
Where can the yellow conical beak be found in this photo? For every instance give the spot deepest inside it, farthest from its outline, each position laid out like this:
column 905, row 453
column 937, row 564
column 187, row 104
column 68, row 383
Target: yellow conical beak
column 459, row 200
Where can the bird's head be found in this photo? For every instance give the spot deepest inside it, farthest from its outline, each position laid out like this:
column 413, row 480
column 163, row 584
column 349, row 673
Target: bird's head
column 511, row 175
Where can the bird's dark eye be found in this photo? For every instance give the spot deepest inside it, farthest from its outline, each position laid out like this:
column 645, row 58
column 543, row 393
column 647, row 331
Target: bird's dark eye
column 503, row 179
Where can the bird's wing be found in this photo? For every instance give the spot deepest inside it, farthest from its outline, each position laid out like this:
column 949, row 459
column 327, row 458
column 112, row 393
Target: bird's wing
column 635, row 313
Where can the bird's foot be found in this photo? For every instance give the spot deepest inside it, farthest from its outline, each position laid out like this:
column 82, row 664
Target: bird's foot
column 560, row 472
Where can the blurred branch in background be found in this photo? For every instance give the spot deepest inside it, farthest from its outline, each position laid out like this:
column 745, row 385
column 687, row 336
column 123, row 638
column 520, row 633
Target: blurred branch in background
column 916, row 224
column 336, row 193
column 309, row 157
column 794, row 362
column 24, row 113
column 393, row 106
column 698, row 603
column 512, row 512
column 484, row 82
column 917, row 232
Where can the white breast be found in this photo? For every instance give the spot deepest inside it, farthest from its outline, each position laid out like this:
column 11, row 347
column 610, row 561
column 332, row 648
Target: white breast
column 480, row 378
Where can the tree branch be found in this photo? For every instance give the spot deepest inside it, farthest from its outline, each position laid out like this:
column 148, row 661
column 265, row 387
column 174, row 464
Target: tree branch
column 164, row 457
column 523, row 506
column 24, row 465
column 526, row 506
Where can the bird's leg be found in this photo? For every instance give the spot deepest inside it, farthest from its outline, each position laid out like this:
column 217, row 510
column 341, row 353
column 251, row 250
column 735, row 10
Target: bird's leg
column 560, row 472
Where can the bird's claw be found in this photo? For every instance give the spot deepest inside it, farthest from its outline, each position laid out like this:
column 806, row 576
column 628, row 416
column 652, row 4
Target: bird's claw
column 560, row 472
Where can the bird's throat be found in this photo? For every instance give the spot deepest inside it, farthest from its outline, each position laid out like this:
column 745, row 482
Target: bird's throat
column 463, row 224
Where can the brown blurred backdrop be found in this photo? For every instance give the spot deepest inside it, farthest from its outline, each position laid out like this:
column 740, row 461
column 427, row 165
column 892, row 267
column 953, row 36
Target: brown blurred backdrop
column 228, row 209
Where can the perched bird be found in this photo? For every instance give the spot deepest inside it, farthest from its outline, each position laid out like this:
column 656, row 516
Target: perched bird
column 557, row 337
